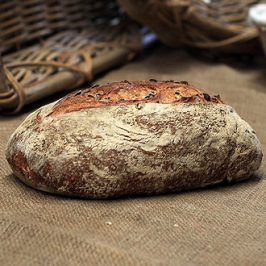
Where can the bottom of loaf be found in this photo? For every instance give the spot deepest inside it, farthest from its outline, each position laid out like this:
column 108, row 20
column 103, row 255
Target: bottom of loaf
column 116, row 194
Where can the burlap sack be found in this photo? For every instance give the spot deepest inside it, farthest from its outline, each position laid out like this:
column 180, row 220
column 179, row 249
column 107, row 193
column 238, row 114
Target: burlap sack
column 222, row 225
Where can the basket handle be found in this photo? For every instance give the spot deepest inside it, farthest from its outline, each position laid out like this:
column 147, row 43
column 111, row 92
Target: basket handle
column 3, row 86
column 247, row 35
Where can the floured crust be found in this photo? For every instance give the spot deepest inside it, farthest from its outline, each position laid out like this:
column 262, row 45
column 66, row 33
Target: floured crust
column 126, row 93
column 132, row 149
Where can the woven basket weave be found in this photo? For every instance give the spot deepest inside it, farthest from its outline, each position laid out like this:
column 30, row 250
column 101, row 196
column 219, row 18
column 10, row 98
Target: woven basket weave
column 54, row 45
column 216, row 25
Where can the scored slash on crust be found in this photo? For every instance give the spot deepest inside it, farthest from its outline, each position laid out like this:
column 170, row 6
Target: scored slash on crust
column 127, row 93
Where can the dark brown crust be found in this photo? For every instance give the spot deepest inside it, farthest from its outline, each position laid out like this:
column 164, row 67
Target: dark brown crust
column 126, row 92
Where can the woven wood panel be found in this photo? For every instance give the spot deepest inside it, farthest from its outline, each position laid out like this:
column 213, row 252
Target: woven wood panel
column 50, row 46
column 25, row 20
column 217, row 25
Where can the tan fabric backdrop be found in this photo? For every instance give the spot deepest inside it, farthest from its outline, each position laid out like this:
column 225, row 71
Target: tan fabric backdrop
column 223, row 225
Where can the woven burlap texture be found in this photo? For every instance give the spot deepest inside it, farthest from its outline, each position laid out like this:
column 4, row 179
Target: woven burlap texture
column 222, row 225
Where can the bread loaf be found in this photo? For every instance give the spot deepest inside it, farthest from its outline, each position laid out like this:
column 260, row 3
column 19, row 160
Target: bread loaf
column 131, row 138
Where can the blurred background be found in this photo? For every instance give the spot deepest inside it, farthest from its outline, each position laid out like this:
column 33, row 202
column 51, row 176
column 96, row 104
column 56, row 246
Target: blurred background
column 56, row 46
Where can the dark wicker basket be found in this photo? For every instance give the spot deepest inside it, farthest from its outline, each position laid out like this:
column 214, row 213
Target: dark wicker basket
column 217, row 26
column 54, row 45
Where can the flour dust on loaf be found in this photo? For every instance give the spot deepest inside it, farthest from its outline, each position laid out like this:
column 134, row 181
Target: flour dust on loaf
column 133, row 138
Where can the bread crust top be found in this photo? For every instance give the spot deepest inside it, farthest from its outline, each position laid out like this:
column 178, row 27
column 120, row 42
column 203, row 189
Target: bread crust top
column 133, row 92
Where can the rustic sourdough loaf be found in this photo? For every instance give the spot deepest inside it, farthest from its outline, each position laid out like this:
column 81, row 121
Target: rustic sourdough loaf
column 126, row 138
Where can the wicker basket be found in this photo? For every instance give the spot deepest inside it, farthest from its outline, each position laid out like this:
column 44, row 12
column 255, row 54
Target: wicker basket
column 54, row 45
column 219, row 26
